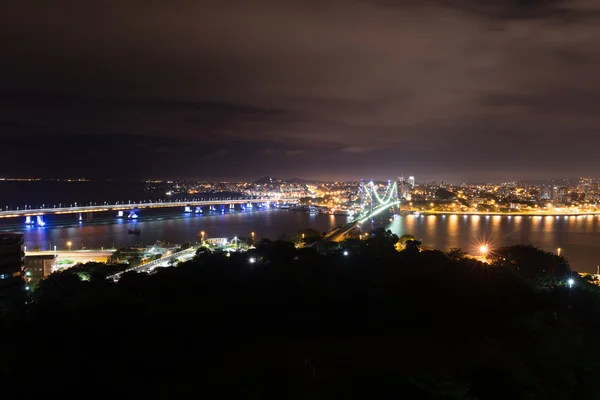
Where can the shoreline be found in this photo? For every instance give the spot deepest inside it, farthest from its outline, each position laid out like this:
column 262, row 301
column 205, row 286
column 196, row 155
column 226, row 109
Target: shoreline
column 501, row 214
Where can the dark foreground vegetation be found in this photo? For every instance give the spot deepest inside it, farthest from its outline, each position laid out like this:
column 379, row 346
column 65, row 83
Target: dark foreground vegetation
column 296, row 323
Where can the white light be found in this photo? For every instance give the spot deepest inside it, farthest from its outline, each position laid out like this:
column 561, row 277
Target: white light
column 26, row 287
column 252, row 260
column 345, row 253
column 571, row 282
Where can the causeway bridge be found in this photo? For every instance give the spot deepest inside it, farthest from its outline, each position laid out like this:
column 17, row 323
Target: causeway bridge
column 35, row 216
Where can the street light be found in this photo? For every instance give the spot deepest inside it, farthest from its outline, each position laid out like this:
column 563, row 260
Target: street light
column 570, row 282
column 202, row 234
column 483, row 250
column 252, row 235
column 69, row 243
column 558, row 251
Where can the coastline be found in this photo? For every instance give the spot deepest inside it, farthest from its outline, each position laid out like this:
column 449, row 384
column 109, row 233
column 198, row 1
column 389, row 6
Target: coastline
column 504, row 214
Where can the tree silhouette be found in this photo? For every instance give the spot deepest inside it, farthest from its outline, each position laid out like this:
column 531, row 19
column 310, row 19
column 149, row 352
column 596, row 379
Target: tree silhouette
column 455, row 253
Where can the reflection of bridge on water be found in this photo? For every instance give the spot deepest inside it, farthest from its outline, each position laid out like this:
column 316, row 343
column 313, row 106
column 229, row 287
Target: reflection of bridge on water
column 371, row 205
column 131, row 210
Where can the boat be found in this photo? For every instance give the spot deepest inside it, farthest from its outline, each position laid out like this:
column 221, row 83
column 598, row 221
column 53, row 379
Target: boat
column 135, row 231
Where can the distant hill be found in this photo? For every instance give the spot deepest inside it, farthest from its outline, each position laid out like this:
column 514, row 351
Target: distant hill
column 265, row 180
column 299, row 181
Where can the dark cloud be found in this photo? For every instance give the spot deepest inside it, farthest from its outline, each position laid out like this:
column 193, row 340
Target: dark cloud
column 438, row 88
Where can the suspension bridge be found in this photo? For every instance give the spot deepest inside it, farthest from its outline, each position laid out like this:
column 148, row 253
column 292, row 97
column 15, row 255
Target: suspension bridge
column 371, row 204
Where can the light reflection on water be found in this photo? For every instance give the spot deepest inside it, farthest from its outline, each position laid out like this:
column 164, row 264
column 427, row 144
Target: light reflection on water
column 272, row 224
column 579, row 238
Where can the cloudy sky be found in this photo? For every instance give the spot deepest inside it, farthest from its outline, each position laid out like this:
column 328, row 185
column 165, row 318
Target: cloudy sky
column 329, row 89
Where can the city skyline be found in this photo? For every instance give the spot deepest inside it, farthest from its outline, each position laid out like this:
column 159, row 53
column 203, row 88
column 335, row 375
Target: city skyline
column 474, row 90
column 422, row 180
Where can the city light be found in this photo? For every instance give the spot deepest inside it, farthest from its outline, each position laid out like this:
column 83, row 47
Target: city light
column 69, row 243
column 570, row 282
column 483, row 249
column 345, row 252
column 252, row 260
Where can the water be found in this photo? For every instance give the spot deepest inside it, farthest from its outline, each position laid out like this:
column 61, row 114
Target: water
column 578, row 237
column 171, row 226
column 20, row 193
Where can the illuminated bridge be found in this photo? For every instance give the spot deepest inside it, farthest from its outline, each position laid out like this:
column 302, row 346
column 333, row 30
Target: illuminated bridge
column 130, row 210
column 371, row 205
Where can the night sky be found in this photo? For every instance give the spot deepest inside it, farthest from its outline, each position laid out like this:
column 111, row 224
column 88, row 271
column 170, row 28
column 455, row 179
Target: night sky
column 479, row 90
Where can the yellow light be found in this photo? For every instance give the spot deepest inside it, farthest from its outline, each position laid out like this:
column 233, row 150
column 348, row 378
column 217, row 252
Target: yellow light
column 483, row 249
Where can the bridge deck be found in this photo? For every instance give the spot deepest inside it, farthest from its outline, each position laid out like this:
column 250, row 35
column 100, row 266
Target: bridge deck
column 131, row 206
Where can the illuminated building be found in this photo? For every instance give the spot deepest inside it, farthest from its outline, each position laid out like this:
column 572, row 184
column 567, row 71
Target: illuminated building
column 411, row 182
column 39, row 266
column 546, row 193
column 11, row 260
column 403, row 188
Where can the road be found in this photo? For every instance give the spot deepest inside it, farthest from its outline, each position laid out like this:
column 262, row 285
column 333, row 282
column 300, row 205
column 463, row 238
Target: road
column 78, row 256
column 161, row 262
